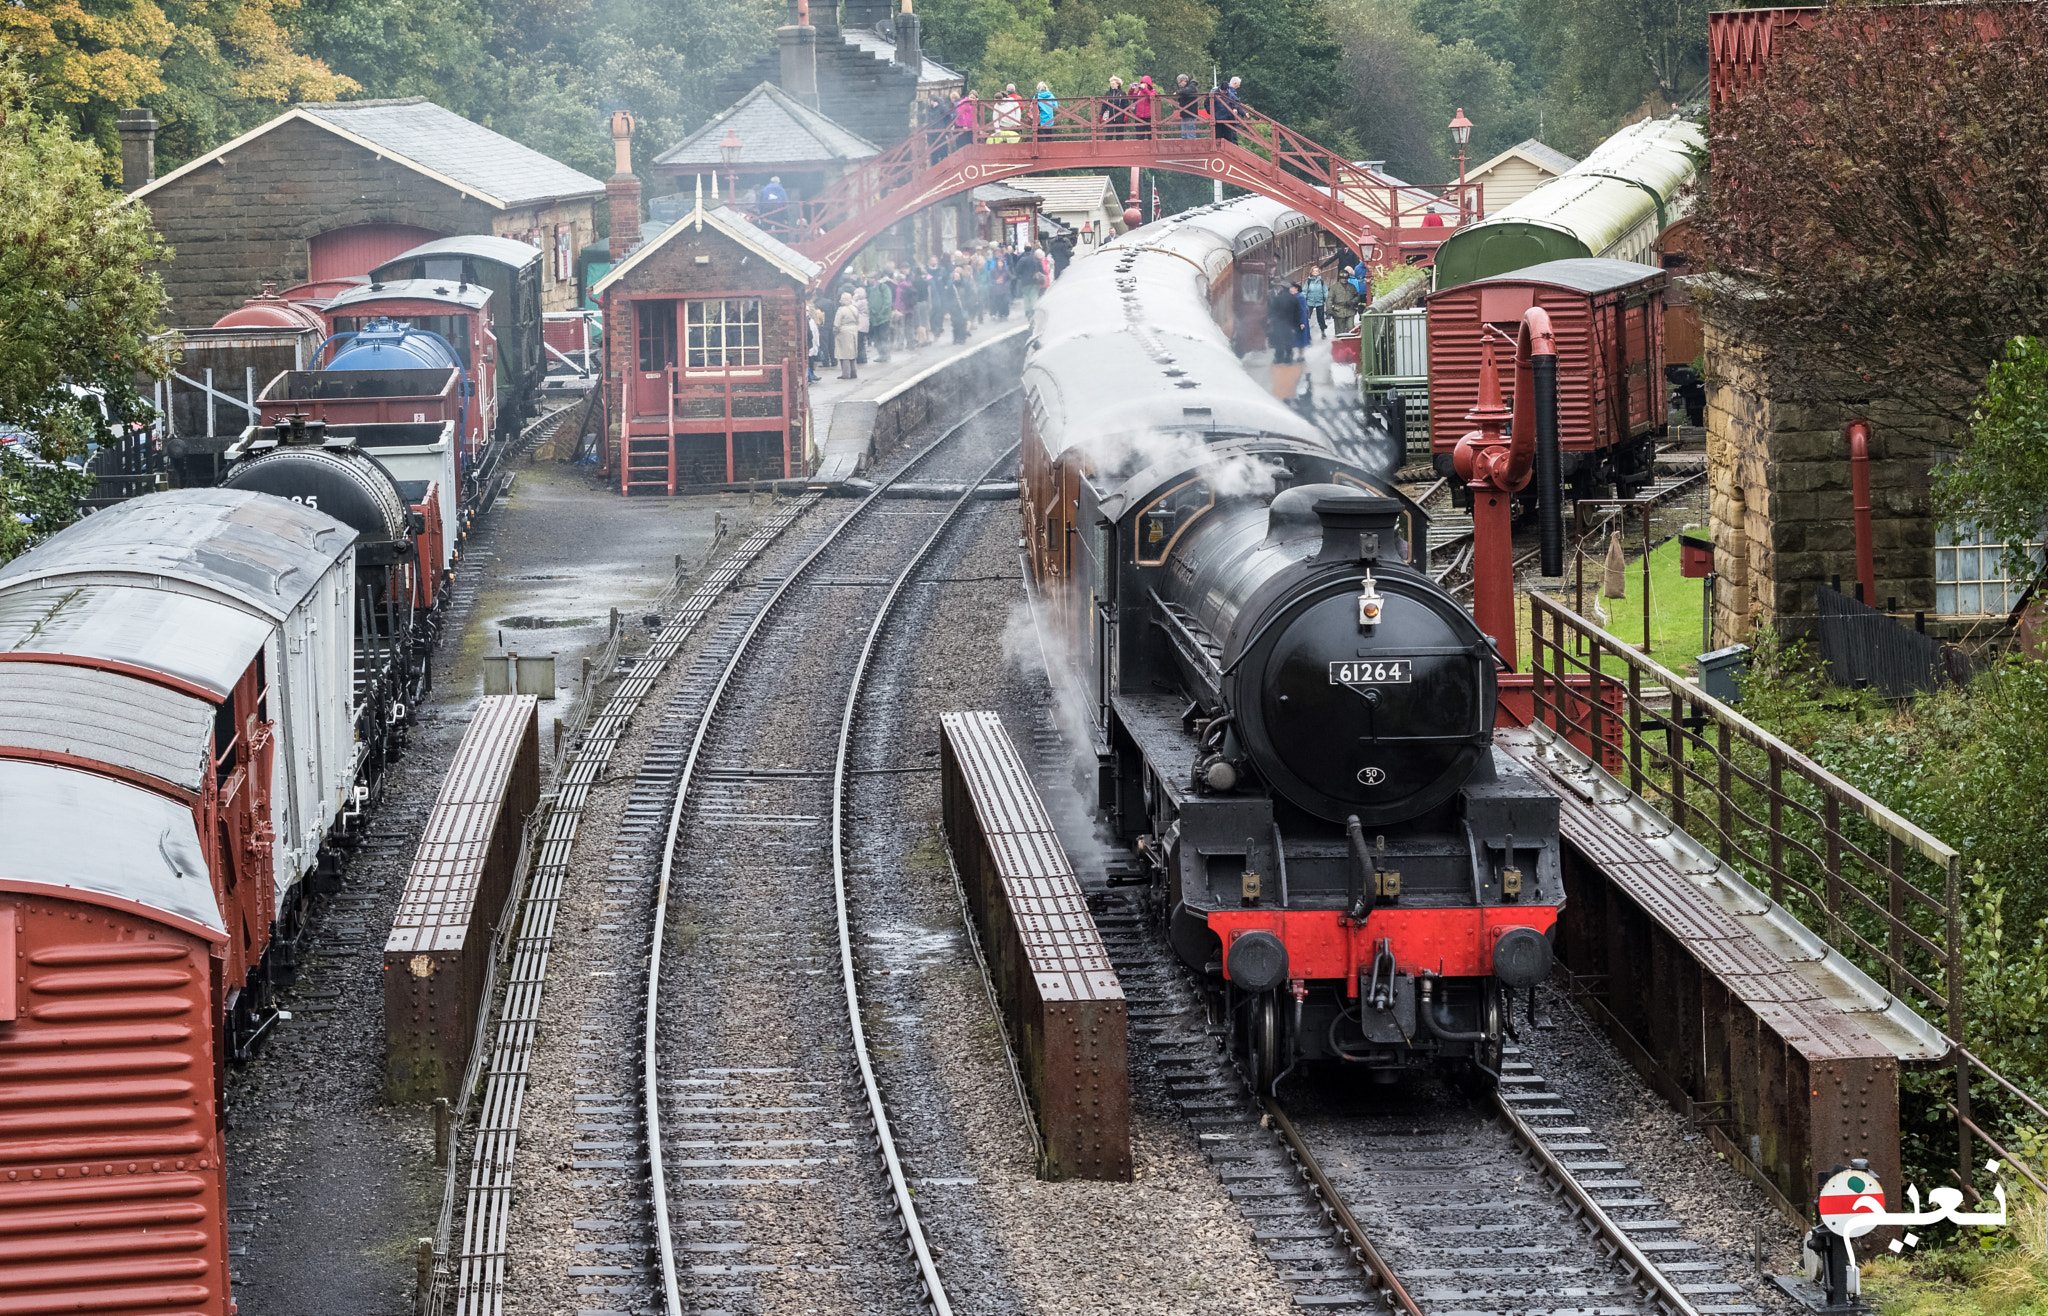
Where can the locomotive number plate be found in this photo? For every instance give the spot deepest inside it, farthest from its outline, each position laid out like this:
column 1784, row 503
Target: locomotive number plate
column 1386, row 671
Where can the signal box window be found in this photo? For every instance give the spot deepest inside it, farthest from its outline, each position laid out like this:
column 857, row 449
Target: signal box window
column 1162, row 521
column 723, row 333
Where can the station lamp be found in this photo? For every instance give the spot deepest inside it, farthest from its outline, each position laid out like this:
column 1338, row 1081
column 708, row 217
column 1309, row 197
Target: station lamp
column 1461, row 133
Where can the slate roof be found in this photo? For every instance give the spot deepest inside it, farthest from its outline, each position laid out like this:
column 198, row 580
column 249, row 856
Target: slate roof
column 928, row 76
column 1536, row 153
column 1084, row 192
column 433, row 141
column 775, row 129
column 734, row 225
column 999, row 192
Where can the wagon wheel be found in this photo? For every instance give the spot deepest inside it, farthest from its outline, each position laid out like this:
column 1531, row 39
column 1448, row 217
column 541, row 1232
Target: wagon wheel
column 1263, row 1038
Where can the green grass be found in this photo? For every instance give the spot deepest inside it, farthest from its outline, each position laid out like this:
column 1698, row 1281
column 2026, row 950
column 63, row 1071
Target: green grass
column 1674, row 608
column 2007, row 1275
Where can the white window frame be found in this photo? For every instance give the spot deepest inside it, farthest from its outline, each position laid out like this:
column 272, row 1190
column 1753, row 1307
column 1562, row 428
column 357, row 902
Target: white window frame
column 1968, row 570
column 720, row 341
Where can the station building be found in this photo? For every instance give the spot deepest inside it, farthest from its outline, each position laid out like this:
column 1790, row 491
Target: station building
column 708, row 356
column 329, row 191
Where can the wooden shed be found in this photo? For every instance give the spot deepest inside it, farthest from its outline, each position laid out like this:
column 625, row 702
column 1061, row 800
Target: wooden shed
column 708, row 356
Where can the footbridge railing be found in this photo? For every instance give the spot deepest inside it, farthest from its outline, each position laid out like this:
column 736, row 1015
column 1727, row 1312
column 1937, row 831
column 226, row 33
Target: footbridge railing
column 1387, row 221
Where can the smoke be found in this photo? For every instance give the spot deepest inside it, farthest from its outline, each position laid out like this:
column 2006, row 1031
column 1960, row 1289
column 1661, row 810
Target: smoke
column 1069, row 795
column 1122, row 455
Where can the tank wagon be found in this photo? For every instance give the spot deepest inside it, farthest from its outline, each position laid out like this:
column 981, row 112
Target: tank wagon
column 1291, row 723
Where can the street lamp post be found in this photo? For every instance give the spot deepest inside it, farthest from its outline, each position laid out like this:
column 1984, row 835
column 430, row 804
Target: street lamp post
column 729, row 151
column 1461, row 133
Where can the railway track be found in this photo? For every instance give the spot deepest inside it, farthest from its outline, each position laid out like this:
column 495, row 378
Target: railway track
column 733, row 1111
column 1419, row 1197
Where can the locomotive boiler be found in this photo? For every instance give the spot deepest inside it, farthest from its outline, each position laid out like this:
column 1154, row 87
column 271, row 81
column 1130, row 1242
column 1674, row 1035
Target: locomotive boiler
column 1292, row 723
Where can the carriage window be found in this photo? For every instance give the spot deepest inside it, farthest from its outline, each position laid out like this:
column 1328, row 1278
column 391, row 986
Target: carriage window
column 1251, row 286
column 724, row 333
column 1162, row 521
column 442, row 267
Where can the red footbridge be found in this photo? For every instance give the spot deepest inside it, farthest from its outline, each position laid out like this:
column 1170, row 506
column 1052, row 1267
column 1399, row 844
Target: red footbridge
column 1384, row 220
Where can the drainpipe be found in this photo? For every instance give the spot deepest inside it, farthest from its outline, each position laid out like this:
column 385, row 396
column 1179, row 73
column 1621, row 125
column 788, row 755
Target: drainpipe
column 1859, row 486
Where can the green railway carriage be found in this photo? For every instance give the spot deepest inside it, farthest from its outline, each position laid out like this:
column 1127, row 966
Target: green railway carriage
column 1615, row 203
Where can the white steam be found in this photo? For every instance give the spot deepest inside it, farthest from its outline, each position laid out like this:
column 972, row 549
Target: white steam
column 1069, row 795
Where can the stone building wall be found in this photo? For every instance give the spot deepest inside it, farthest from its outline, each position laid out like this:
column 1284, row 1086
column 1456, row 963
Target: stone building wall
column 251, row 216
column 536, row 225
column 1782, row 514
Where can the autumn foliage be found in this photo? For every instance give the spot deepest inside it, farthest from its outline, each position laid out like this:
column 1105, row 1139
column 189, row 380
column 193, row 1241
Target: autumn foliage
column 1879, row 201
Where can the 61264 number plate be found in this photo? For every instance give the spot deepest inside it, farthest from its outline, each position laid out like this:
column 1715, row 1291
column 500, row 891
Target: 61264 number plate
column 1385, row 671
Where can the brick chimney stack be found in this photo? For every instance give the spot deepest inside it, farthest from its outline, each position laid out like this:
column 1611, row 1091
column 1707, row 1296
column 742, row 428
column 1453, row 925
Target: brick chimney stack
column 138, row 148
column 909, row 53
column 622, row 189
column 799, row 43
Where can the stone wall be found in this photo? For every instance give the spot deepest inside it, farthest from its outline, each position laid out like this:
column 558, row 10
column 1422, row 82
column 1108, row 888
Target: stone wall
column 251, row 215
column 536, row 225
column 1782, row 515
column 861, row 92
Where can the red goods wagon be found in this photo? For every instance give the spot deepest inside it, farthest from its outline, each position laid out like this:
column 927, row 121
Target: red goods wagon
column 113, row 1199
column 1609, row 320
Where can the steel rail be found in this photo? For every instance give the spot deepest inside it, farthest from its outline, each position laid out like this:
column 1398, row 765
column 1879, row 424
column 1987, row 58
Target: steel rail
column 927, row 1270
column 1641, row 1269
column 650, row 1068
column 1383, row 1277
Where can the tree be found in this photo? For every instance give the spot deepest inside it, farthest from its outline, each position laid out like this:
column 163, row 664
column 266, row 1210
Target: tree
column 1876, row 210
column 79, row 310
column 210, row 68
column 1999, row 482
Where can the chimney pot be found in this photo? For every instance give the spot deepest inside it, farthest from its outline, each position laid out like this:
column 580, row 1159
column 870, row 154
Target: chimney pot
column 138, row 148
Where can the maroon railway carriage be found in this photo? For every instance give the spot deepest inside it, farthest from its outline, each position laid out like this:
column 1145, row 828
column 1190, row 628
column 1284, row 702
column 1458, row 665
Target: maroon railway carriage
column 1609, row 319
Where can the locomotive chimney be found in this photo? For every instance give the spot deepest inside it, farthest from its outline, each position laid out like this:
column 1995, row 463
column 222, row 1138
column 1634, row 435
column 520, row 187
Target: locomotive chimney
column 622, row 190
column 138, row 148
column 1359, row 529
column 799, row 43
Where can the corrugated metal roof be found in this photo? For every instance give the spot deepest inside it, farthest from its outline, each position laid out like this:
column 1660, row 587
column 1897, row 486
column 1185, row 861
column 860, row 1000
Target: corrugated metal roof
column 424, row 133
column 1536, row 153
column 107, row 717
column 774, row 128
column 199, row 641
column 56, row 824
column 266, row 552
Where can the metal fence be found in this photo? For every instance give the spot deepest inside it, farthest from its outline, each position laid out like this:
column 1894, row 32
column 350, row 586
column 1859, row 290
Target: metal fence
column 1870, row 882
column 1867, row 648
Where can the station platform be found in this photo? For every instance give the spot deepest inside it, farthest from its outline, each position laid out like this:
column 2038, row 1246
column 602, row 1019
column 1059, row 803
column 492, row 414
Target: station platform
column 1785, row 1052
column 849, row 417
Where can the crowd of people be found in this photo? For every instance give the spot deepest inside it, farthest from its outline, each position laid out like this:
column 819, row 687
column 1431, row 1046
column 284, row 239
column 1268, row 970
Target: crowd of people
column 1140, row 108
column 897, row 308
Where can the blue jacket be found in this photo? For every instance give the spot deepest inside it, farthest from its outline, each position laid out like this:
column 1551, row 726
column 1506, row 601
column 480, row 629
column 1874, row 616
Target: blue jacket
column 1301, row 334
column 1314, row 290
column 1046, row 105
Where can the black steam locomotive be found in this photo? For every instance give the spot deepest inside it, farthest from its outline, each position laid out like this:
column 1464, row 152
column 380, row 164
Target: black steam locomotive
column 1293, row 724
